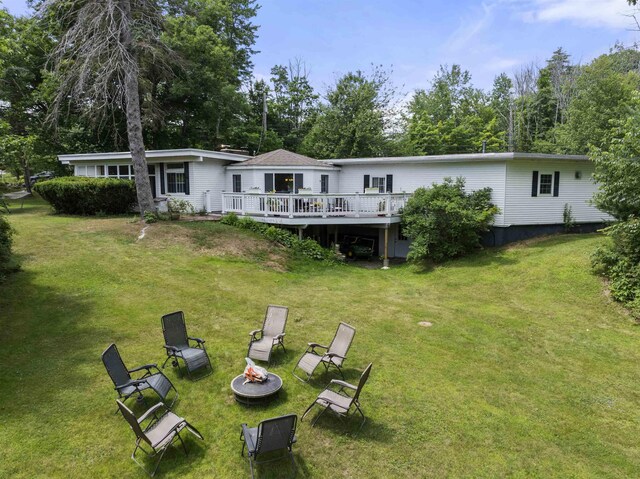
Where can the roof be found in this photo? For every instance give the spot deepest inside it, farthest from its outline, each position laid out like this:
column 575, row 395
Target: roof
column 458, row 158
column 284, row 158
column 153, row 154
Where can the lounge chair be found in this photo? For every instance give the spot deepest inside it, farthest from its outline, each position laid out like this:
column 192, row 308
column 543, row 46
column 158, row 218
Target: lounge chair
column 270, row 435
column 177, row 344
column 339, row 401
column 158, row 434
column 126, row 386
column 333, row 355
column 271, row 335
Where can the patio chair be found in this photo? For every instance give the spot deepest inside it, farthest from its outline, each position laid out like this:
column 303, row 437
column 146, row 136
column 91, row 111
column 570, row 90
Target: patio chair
column 177, row 347
column 158, row 434
column 271, row 335
column 271, row 435
column 126, row 386
column 339, row 401
column 333, row 355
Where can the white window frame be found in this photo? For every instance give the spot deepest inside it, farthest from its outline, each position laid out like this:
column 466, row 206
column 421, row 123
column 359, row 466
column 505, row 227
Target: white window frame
column 176, row 169
column 381, row 183
column 540, row 193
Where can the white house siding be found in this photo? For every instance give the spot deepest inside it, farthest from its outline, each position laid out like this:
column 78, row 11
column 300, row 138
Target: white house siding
column 208, row 175
column 408, row 177
column 523, row 209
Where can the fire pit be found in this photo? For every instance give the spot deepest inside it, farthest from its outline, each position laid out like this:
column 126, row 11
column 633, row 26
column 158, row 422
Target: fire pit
column 258, row 392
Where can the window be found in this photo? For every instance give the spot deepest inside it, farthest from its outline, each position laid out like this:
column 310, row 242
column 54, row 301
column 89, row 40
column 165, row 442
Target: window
column 112, row 170
column 378, row 182
column 175, row 182
column 546, row 184
column 81, row 171
column 237, row 183
column 281, row 182
column 100, row 170
column 324, row 184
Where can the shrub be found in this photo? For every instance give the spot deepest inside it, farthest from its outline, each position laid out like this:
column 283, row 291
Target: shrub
column 619, row 261
column 88, row 196
column 306, row 247
column 6, row 240
column 177, row 207
column 446, row 222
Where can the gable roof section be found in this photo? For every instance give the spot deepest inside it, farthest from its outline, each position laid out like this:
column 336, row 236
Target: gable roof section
column 284, row 158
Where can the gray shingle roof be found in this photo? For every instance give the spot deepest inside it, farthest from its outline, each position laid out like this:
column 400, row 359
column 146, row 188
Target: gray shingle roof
column 283, row 158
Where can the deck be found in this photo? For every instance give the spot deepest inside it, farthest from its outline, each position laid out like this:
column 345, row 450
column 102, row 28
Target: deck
column 377, row 208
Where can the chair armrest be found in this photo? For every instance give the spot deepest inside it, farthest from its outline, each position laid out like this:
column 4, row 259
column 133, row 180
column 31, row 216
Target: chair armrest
column 279, row 336
column 150, row 411
column 148, row 367
column 247, row 438
column 332, row 355
column 197, row 340
column 316, row 345
column 343, row 384
column 173, row 349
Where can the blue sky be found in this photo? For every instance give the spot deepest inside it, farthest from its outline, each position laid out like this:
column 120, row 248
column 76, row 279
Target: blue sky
column 414, row 37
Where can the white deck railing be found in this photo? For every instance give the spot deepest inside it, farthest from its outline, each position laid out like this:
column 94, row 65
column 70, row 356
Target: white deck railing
column 314, row 205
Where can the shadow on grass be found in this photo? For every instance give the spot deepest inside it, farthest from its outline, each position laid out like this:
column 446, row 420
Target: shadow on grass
column 352, row 425
column 280, row 468
column 175, row 463
column 45, row 344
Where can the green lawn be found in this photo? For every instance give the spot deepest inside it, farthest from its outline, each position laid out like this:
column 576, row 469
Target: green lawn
column 528, row 371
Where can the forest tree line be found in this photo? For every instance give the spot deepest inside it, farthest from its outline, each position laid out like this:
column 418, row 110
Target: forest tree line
column 203, row 94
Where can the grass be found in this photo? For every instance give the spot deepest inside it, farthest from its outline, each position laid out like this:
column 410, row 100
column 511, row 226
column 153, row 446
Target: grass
column 528, row 370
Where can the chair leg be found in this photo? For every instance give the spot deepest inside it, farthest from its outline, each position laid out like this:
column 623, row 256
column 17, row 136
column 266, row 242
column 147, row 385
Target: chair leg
column 186, row 453
column 318, row 416
column 251, row 467
column 159, row 460
column 307, row 411
column 165, row 361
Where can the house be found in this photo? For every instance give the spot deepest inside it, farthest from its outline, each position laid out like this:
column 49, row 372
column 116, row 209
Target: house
column 327, row 199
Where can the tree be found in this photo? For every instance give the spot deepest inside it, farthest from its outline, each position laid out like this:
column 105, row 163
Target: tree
column 201, row 104
column 356, row 120
column 618, row 176
column 97, row 65
column 444, row 221
column 453, row 117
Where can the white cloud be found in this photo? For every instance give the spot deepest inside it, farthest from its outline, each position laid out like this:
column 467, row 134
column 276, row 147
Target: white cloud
column 470, row 27
column 588, row 13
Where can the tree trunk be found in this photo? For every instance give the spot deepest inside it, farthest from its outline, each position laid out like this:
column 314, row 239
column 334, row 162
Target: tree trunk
column 27, row 175
column 134, row 124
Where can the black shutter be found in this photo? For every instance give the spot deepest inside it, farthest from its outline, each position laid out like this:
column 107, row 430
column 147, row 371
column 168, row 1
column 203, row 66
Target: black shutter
column 389, row 183
column 162, row 187
column 237, row 183
column 298, row 181
column 268, row 182
column 556, row 183
column 534, row 184
column 186, row 178
column 366, row 182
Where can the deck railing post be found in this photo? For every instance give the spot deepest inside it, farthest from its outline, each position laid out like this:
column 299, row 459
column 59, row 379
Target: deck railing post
column 324, row 206
column 290, row 205
column 388, row 205
column 357, row 206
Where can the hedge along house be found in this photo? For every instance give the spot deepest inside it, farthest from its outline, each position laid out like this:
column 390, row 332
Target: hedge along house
column 327, row 199
column 192, row 174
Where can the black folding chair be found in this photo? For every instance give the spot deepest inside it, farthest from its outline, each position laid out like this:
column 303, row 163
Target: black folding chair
column 178, row 348
column 274, row 434
column 126, row 386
